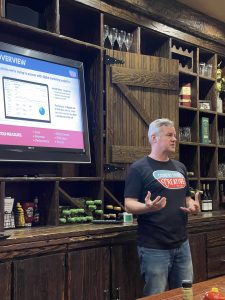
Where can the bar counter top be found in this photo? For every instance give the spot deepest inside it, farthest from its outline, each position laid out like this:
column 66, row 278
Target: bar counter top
column 199, row 289
column 196, row 223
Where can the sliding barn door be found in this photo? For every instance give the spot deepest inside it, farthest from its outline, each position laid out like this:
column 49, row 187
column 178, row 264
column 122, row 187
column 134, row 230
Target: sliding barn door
column 138, row 91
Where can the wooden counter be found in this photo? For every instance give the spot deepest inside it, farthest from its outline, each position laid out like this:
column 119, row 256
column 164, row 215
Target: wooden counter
column 72, row 259
column 199, row 290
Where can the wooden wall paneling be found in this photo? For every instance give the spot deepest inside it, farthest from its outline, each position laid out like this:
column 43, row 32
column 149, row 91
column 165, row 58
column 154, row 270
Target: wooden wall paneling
column 124, row 127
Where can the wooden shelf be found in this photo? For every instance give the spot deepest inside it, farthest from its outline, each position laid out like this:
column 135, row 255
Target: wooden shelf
column 188, row 108
column 208, row 145
column 207, row 78
column 188, row 143
column 182, row 52
column 185, row 71
column 207, row 111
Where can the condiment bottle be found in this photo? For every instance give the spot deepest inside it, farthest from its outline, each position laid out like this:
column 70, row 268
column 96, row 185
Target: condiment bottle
column 187, row 290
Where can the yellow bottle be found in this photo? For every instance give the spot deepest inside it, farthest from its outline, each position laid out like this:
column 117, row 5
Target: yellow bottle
column 187, row 290
column 20, row 220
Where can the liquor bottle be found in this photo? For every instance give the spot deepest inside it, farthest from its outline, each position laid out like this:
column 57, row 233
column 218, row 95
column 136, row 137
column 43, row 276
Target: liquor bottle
column 204, row 201
column 36, row 214
column 209, row 197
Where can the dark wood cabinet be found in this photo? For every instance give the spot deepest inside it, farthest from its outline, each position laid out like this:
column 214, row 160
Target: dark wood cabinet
column 109, row 272
column 199, row 256
column 6, row 283
column 126, row 272
column 39, row 278
column 89, row 274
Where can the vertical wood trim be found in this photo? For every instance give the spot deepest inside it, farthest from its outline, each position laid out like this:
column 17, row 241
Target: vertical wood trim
column 53, row 17
column 2, row 196
column 137, row 41
column 2, row 8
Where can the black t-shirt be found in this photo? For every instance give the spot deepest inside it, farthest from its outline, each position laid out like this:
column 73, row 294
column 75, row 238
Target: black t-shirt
column 166, row 228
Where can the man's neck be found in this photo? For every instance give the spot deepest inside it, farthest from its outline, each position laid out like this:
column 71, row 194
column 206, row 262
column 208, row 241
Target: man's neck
column 159, row 156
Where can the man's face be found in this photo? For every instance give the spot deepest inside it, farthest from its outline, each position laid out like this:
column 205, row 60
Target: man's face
column 166, row 140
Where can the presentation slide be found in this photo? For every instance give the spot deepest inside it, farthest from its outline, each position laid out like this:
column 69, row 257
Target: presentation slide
column 26, row 100
column 40, row 103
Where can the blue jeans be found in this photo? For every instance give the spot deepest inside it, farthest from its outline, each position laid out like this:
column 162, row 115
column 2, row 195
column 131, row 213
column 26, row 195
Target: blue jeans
column 163, row 269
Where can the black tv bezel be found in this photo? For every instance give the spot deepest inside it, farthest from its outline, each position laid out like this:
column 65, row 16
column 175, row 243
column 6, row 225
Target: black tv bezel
column 14, row 153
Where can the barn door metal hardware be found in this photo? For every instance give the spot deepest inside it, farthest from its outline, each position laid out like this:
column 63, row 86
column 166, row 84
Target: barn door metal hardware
column 109, row 168
column 112, row 60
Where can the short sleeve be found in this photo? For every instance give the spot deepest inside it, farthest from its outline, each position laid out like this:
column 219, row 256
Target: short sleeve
column 133, row 184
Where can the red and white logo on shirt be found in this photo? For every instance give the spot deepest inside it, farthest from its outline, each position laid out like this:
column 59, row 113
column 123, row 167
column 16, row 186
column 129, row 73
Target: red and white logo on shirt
column 170, row 179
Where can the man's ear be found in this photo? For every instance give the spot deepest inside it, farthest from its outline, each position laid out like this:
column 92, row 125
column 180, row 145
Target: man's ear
column 154, row 138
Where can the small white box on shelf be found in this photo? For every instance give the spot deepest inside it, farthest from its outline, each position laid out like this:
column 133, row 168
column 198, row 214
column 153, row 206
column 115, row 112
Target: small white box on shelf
column 8, row 204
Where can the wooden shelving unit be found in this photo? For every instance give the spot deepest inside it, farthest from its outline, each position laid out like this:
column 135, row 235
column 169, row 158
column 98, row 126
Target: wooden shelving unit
column 75, row 30
column 122, row 98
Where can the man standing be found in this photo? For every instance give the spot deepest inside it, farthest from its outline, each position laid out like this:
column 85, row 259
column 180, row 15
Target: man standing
column 157, row 190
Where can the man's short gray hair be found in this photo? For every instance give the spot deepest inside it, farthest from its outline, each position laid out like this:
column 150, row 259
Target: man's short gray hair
column 154, row 127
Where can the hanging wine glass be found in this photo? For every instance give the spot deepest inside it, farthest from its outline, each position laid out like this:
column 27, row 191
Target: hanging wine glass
column 121, row 38
column 128, row 40
column 105, row 32
column 112, row 36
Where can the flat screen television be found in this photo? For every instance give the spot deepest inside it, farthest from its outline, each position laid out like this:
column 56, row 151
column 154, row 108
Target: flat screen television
column 43, row 114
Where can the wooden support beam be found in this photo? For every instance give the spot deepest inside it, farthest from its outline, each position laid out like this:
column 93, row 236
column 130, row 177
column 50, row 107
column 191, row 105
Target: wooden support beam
column 158, row 80
column 128, row 154
column 114, row 198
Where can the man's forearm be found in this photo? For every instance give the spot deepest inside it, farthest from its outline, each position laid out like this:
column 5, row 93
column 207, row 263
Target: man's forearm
column 135, row 207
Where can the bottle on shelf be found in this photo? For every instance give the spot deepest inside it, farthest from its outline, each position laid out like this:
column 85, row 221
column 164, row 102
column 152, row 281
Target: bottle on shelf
column 209, row 197
column 19, row 216
column 204, row 201
column 190, row 174
column 206, row 198
column 36, row 214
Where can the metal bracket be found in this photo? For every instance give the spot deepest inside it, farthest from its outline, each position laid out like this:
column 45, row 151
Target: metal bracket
column 108, row 60
column 108, row 168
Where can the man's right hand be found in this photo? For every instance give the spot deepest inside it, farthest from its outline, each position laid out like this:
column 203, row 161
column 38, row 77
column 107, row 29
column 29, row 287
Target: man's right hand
column 156, row 204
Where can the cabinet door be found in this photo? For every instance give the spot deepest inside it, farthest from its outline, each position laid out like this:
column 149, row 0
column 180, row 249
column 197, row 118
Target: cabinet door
column 40, row 278
column 198, row 252
column 142, row 89
column 127, row 283
column 5, row 286
column 89, row 274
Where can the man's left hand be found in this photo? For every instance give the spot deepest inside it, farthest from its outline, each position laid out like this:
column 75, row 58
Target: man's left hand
column 193, row 206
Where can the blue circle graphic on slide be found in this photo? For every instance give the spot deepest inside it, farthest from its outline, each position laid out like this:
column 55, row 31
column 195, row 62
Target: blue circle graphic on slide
column 42, row 110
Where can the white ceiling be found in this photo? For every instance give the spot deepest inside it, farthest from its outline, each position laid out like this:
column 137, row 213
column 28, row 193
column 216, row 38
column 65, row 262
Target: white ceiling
column 212, row 8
